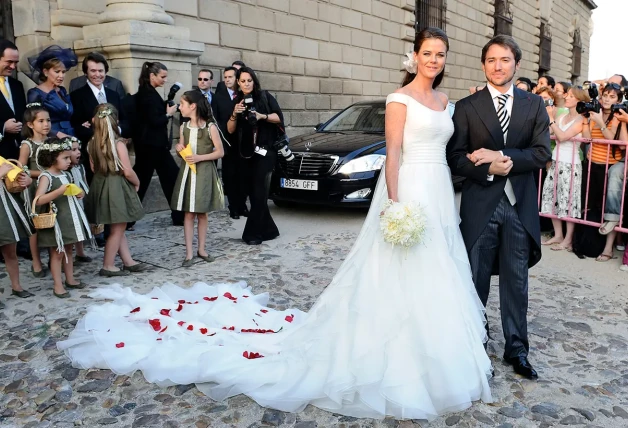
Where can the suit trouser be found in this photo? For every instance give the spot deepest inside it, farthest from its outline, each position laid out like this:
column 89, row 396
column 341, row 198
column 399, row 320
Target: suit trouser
column 505, row 239
column 149, row 159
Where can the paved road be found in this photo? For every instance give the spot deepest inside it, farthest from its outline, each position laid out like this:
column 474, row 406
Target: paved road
column 577, row 323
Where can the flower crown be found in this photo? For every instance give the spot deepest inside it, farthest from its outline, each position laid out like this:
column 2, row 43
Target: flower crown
column 104, row 113
column 71, row 140
column 31, row 105
column 57, row 147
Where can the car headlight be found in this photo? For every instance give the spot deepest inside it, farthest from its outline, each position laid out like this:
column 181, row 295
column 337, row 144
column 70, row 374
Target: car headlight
column 363, row 164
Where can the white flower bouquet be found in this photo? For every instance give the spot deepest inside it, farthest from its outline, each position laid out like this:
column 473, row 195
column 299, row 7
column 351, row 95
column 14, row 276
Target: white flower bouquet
column 402, row 224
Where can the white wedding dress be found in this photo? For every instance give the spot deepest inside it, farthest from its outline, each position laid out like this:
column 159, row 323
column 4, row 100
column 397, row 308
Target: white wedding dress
column 398, row 331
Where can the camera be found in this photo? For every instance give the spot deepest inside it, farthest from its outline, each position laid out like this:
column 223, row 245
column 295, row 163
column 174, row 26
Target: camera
column 548, row 103
column 615, row 108
column 249, row 110
column 585, row 108
column 173, row 91
column 281, row 145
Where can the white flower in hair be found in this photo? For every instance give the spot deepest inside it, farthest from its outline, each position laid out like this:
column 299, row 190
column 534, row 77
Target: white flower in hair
column 31, row 105
column 410, row 64
column 104, row 113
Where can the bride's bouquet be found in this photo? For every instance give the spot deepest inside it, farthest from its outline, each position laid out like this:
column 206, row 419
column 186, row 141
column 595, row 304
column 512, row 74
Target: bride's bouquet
column 402, row 223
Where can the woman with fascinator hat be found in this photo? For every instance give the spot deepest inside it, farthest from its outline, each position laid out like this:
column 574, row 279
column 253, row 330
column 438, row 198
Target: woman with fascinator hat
column 398, row 332
column 49, row 68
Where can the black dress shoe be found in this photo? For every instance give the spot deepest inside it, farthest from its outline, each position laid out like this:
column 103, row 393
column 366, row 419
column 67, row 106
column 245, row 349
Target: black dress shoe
column 234, row 216
column 522, row 366
column 245, row 212
column 254, row 242
column 22, row 294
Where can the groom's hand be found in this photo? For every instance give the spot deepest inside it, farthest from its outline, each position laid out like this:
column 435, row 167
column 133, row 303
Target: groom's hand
column 500, row 166
column 482, row 156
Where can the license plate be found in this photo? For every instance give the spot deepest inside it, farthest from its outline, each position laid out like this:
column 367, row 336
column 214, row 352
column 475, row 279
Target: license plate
column 288, row 183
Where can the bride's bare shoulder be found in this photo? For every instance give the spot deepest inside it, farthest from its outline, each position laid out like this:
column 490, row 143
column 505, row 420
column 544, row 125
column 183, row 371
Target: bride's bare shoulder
column 443, row 97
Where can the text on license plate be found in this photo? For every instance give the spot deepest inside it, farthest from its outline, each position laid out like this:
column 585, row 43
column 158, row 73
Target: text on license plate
column 288, row 183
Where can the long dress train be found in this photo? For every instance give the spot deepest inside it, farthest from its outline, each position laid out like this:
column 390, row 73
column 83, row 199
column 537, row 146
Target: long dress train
column 397, row 332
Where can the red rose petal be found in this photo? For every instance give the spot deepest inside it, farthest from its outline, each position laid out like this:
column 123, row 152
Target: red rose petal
column 120, row 345
column 252, row 355
column 203, row 330
column 181, row 301
column 179, row 308
column 181, row 323
column 190, row 327
column 165, row 312
column 213, row 334
column 164, row 329
column 290, row 318
column 245, row 296
column 264, row 311
column 229, row 296
column 135, row 310
column 155, row 324
column 210, row 299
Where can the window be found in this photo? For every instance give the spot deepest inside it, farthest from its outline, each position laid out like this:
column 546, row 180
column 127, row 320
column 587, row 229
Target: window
column 429, row 13
column 545, row 48
column 503, row 18
column 576, row 57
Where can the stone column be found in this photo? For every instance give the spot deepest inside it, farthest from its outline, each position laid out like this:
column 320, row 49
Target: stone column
column 130, row 32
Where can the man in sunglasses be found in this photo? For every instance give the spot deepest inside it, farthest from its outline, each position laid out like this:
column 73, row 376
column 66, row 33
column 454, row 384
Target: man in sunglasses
column 205, row 81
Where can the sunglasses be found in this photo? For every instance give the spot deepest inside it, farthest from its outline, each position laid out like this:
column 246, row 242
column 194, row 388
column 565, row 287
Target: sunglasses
column 204, row 79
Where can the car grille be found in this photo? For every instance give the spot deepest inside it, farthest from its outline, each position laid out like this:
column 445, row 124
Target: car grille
column 308, row 164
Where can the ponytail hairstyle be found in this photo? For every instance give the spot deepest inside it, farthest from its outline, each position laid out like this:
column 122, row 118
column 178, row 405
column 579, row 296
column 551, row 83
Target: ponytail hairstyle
column 101, row 148
column 30, row 115
column 423, row 35
column 149, row 68
column 203, row 109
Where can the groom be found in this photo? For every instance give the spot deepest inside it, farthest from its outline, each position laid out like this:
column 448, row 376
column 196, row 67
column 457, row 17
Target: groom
column 501, row 140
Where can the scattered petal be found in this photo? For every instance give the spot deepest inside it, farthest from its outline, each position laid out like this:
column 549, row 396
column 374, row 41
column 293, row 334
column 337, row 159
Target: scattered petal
column 135, row 310
column 155, row 324
column 179, row 308
column 120, row 345
column 210, row 299
column 181, row 323
column 252, row 355
column 203, row 330
column 181, row 301
column 165, row 312
column 264, row 311
column 190, row 327
column 290, row 318
column 164, row 329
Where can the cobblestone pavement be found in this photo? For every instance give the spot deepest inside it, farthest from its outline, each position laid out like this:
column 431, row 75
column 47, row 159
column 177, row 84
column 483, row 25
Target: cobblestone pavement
column 577, row 323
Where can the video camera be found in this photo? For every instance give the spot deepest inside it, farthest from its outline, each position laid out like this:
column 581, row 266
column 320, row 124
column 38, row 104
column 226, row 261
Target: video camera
column 585, row 108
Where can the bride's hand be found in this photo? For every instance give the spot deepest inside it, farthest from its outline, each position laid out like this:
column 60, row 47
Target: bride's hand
column 482, row 156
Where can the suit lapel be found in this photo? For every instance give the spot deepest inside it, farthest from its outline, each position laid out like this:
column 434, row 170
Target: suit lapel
column 485, row 108
column 520, row 108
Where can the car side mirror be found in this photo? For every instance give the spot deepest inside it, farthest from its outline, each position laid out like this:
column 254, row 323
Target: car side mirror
column 318, row 127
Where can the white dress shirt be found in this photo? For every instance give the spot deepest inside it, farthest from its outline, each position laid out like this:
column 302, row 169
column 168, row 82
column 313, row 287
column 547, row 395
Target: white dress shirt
column 231, row 92
column 97, row 91
column 510, row 193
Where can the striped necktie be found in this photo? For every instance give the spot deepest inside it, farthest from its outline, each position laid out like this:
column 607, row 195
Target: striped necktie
column 502, row 114
column 101, row 97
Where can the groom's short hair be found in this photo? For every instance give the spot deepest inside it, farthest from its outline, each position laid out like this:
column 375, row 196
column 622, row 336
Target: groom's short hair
column 506, row 42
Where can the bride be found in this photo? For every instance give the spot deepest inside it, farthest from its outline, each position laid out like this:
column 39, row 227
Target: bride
column 398, row 332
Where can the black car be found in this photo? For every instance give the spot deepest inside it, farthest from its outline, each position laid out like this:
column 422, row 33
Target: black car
column 339, row 163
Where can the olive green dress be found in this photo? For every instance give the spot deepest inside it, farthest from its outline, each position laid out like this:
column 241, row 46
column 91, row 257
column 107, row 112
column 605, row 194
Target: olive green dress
column 199, row 192
column 71, row 224
column 112, row 200
column 14, row 224
column 29, row 193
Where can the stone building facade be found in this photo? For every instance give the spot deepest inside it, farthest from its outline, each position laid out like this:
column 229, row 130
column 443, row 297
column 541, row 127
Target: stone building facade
column 317, row 56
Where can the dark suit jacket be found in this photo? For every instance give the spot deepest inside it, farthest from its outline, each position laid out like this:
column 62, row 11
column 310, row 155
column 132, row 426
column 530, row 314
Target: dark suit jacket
column 222, row 107
column 85, row 103
column 110, row 82
column 152, row 119
column 476, row 126
column 9, row 146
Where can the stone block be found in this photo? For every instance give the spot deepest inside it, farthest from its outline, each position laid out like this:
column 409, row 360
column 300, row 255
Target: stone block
column 276, row 82
column 380, row 75
column 317, row 30
column 63, row 32
column 227, row 12
column 361, row 38
column 352, row 55
column 305, row 84
column 351, row 18
column 329, row 13
column 352, row 87
column 396, row 46
column 391, row 29
column 380, row 43
column 304, row 48
column 339, row 102
column 390, row 61
column 31, row 17
column 317, row 102
column 340, row 35
column 371, row 58
column 219, row 56
column 330, row 86
column 290, row 24
column 274, row 43
column 389, row 88
column 305, row 118
column 238, row 37
column 381, row 10
column 342, row 71
column 363, row 6
column 73, row 18
column 397, row 15
column 293, row 66
column 138, row 30
column 281, row 5
column 291, row 101
column 343, row 3
column 316, row 68
column 359, row 72
column 200, row 31
column 182, row 7
column 330, row 52
column 372, row 88
column 371, row 24
column 256, row 17
column 258, row 61
column 82, row 5
column 306, row 8
column 29, row 46
column 324, row 116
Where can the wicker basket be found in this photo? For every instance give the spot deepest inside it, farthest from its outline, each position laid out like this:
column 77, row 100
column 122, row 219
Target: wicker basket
column 13, row 186
column 43, row 220
column 97, row 229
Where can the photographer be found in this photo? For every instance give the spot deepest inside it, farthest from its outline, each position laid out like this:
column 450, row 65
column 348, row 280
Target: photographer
column 255, row 120
column 602, row 125
column 152, row 148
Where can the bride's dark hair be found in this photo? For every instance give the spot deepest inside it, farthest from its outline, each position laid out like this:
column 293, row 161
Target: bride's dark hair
column 421, row 36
